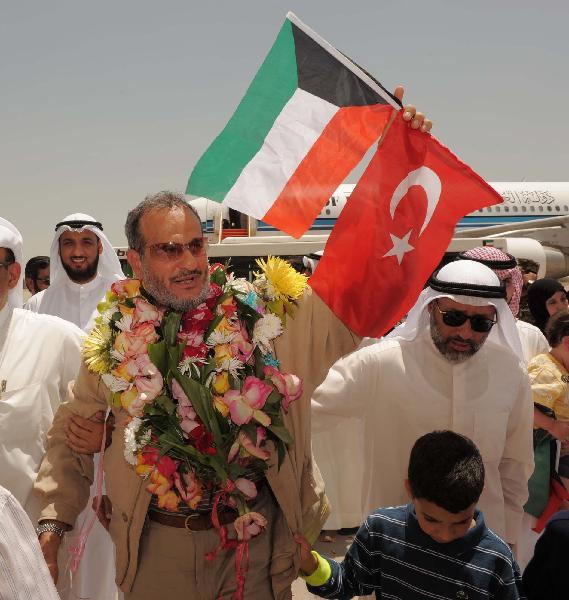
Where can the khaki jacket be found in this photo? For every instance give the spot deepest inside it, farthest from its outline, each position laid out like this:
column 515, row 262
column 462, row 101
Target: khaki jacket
column 312, row 342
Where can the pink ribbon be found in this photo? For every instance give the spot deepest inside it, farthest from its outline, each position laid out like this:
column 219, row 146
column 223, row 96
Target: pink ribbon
column 77, row 549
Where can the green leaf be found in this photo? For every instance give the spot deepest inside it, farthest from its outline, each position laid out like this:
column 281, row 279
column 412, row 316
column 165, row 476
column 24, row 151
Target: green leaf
column 216, row 321
column 219, row 276
column 259, row 364
column 166, row 403
column 208, row 368
column 275, row 398
column 174, row 356
column 171, row 327
column 157, row 354
column 115, row 399
column 247, row 311
column 281, row 432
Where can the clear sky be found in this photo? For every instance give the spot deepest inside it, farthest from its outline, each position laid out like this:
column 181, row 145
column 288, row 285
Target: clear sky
column 103, row 102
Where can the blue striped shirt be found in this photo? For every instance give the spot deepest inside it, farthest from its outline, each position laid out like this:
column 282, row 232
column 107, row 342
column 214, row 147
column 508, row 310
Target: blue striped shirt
column 393, row 557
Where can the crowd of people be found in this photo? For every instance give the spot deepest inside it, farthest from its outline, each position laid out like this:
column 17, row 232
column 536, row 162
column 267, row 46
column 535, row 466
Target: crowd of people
column 456, row 424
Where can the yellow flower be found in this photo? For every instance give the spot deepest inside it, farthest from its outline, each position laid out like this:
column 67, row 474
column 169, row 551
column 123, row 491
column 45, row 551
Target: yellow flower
column 222, row 353
column 287, row 283
column 169, row 501
column 126, row 310
column 220, row 406
column 97, row 350
column 128, row 397
column 221, row 383
column 122, row 371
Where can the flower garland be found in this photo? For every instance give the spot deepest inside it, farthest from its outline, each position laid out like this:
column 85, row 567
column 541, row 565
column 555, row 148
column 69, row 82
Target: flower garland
column 203, row 390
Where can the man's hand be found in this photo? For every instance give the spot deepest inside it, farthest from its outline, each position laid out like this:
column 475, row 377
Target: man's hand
column 417, row 119
column 85, row 435
column 308, row 563
column 49, row 543
column 560, row 431
column 105, row 511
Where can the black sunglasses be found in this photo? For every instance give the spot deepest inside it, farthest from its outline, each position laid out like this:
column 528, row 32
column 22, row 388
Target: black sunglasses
column 456, row 318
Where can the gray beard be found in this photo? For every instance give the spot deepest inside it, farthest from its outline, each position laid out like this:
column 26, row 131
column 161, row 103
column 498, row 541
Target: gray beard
column 453, row 356
column 164, row 297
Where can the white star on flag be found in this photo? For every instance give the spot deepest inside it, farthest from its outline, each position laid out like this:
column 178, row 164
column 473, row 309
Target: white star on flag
column 400, row 246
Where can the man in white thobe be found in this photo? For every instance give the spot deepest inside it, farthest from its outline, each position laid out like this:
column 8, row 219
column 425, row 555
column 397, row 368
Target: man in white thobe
column 23, row 572
column 83, row 267
column 39, row 356
column 442, row 369
column 505, row 266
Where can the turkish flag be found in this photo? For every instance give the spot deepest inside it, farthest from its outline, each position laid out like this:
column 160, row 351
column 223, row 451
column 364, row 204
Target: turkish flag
column 395, row 228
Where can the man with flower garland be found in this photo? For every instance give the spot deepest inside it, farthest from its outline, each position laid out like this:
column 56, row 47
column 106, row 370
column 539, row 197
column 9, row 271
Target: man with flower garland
column 179, row 541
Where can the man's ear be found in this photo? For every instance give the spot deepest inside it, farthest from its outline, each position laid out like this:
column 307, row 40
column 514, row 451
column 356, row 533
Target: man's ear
column 135, row 261
column 14, row 271
column 99, row 246
column 408, row 488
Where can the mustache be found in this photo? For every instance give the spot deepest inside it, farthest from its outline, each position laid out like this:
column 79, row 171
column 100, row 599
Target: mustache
column 457, row 338
column 186, row 273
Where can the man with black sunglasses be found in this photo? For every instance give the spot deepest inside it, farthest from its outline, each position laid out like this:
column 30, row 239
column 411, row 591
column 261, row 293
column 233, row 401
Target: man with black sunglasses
column 453, row 364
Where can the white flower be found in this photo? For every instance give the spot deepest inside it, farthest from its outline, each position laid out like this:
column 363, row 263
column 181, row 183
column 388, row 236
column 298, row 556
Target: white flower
column 189, row 364
column 115, row 384
column 124, row 323
column 267, row 328
column 232, row 365
column 131, row 446
column 217, row 337
column 237, row 284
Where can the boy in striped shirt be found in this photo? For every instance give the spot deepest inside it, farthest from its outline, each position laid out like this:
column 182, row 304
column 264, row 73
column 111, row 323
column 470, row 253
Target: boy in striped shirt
column 435, row 547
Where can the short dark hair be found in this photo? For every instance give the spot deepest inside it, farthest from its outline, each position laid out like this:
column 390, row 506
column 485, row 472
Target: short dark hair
column 446, row 469
column 10, row 256
column 161, row 200
column 556, row 328
column 34, row 265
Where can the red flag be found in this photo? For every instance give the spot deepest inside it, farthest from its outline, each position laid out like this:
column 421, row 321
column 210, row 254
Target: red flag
column 394, row 229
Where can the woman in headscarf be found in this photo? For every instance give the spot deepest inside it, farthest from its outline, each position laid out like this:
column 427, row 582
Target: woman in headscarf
column 546, row 297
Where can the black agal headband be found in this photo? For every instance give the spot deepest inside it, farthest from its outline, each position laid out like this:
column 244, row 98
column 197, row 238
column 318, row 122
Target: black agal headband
column 79, row 224
column 491, row 263
column 467, row 289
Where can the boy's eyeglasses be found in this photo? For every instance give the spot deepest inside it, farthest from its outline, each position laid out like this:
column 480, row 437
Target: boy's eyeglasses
column 174, row 250
column 456, row 318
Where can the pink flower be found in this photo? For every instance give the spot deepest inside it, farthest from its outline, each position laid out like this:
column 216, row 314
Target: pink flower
column 149, row 382
column 246, row 404
column 246, row 487
column 249, row 525
column 193, row 338
column 189, row 488
column 186, row 412
column 241, row 346
column 288, row 385
column 167, row 466
column 144, row 312
column 198, row 352
column 213, row 294
column 134, row 342
column 243, row 441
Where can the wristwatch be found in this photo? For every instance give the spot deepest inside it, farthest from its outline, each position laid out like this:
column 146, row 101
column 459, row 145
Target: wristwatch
column 51, row 526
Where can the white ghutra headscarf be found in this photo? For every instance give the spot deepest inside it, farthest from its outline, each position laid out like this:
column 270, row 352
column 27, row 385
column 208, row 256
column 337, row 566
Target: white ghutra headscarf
column 11, row 238
column 465, row 282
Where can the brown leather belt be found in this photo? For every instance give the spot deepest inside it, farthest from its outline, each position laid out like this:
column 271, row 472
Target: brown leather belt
column 193, row 522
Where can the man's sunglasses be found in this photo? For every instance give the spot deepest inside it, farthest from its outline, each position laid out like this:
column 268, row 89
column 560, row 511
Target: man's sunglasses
column 456, row 318
column 174, row 250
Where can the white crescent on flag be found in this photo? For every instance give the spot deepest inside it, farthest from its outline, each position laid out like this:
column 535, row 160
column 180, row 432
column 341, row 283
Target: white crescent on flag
column 431, row 183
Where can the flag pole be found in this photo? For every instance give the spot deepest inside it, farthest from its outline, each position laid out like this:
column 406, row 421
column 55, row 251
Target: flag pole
column 386, row 128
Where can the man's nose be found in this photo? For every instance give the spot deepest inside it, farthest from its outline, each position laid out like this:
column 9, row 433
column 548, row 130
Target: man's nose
column 465, row 330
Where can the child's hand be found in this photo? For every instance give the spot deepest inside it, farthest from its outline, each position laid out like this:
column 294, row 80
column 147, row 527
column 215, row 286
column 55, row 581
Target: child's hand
column 308, row 563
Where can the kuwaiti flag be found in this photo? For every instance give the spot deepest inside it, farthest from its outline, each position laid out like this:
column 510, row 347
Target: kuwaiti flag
column 305, row 122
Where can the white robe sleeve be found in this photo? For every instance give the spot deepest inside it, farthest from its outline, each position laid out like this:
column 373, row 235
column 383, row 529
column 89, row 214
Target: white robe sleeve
column 516, row 465
column 23, row 572
column 345, row 391
column 70, row 357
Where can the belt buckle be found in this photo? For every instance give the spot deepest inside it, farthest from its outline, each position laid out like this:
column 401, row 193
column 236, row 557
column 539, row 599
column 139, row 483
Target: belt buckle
column 188, row 519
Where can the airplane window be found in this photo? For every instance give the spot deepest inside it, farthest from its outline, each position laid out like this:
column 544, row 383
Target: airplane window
column 540, row 209
column 557, row 208
column 524, row 208
column 489, row 209
column 515, row 208
column 506, row 209
column 549, row 209
column 497, row 209
column 565, row 207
